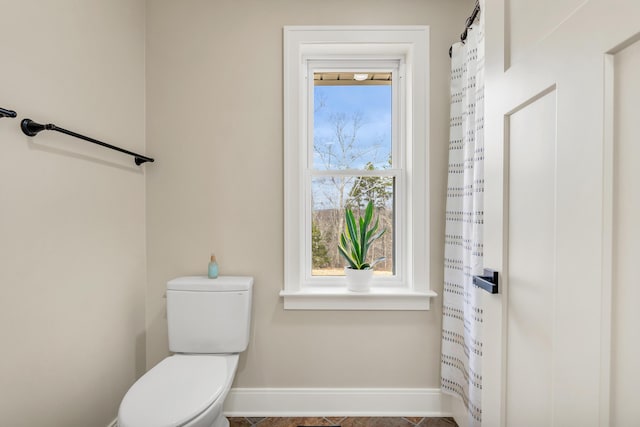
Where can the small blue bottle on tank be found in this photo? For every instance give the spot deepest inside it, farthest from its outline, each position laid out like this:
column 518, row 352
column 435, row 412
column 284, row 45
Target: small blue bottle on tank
column 213, row 268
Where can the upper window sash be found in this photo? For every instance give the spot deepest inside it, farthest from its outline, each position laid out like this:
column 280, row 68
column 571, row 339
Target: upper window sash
column 395, row 64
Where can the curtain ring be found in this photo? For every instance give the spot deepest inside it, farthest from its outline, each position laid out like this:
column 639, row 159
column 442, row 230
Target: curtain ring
column 463, row 36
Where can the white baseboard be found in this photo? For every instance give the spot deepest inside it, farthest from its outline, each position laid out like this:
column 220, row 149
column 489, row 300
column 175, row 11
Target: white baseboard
column 113, row 423
column 310, row 402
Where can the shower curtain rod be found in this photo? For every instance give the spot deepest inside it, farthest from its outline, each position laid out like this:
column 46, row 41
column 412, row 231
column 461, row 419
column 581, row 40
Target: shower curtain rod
column 7, row 113
column 31, row 128
column 468, row 24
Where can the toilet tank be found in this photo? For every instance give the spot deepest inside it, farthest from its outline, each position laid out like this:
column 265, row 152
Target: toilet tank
column 209, row 315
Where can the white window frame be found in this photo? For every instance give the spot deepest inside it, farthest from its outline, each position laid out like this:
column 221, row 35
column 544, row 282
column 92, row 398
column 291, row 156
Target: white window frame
column 404, row 50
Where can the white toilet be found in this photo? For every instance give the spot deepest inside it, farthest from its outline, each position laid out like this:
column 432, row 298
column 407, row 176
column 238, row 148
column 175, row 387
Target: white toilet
column 208, row 323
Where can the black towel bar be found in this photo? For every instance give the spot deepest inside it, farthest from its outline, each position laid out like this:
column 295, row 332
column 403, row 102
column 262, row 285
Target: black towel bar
column 31, row 128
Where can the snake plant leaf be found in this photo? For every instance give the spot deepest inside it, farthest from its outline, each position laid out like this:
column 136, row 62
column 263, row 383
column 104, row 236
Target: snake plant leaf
column 373, row 230
column 352, row 231
column 364, row 245
column 364, row 232
column 349, row 255
column 364, row 242
column 344, row 253
column 377, row 260
column 377, row 236
column 368, row 213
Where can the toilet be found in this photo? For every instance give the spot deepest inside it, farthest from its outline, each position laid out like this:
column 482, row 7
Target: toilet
column 208, row 321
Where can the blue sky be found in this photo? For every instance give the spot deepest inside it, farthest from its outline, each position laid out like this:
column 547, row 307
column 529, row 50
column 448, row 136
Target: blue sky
column 372, row 103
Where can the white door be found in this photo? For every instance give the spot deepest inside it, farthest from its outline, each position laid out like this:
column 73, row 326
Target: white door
column 561, row 118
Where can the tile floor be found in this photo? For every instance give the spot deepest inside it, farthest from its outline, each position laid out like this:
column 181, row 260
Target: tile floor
column 342, row 422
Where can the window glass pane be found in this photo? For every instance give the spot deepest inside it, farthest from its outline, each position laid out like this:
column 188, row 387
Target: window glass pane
column 352, row 121
column 330, row 196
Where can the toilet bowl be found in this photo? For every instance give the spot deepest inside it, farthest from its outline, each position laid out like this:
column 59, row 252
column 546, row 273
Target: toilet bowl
column 208, row 324
column 181, row 391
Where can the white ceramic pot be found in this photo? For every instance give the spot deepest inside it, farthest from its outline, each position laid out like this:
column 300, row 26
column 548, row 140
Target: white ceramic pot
column 358, row 280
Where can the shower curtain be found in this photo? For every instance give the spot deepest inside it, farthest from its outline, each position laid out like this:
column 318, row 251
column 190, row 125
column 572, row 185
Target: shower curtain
column 462, row 315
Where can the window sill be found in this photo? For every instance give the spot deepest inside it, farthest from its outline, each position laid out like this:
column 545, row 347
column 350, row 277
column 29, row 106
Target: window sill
column 378, row 298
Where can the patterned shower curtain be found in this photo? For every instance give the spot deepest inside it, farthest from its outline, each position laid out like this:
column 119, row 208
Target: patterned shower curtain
column 462, row 314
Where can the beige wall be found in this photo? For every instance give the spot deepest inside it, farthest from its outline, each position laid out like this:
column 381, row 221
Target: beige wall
column 72, row 223
column 214, row 120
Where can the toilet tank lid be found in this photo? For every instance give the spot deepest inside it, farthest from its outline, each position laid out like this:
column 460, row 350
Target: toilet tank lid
column 204, row 284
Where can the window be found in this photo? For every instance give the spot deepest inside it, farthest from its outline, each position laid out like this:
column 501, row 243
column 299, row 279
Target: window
column 355, row 130
column 353, row 148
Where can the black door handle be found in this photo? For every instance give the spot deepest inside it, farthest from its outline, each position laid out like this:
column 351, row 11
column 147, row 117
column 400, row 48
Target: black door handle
column 488, row 281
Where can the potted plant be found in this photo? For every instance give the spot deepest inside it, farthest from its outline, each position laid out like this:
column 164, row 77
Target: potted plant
column 354, row 245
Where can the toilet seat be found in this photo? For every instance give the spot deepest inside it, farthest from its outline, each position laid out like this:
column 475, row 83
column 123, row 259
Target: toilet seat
column 175, row 391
